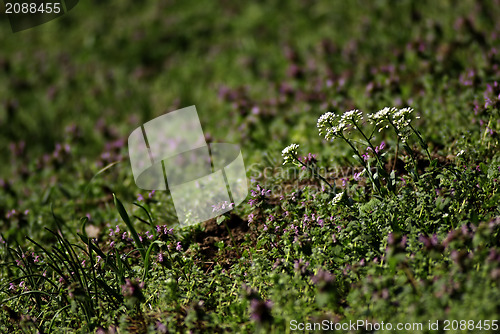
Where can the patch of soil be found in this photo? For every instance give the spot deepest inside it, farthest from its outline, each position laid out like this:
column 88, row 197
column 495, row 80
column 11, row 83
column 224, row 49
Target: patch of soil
column 213, row 233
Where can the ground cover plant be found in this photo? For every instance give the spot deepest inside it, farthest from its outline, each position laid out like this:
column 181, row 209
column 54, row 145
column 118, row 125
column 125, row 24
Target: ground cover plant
column 370, row 134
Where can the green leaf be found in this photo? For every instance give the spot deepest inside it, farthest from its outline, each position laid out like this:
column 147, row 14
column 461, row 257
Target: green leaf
column 151, row 224
column 392, row 178
column 87, row 241
column 125, row 217
column 221, row 219
column 146, row 260
column 358, row 159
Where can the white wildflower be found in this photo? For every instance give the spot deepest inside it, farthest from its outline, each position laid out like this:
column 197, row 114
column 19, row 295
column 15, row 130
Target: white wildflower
column 331, row 126
column 381, row 116
column 400, row 118
column 326, row 120
column 289, row 153
column 336, row 200
column 352, row 116
column 221, row 206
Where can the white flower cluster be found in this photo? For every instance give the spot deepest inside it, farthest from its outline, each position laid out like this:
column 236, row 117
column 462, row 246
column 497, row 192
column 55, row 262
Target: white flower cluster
column 289, row 153
column 400, row 118
column 381, row 116
column 336, row 200
column 331, row 126
column 352, row 115
column 222, row 206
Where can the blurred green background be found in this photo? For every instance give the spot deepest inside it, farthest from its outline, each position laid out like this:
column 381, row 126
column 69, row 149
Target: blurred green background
column 127, row 62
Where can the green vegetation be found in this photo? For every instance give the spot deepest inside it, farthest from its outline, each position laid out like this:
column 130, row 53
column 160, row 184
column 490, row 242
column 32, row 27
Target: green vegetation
column 380, row 215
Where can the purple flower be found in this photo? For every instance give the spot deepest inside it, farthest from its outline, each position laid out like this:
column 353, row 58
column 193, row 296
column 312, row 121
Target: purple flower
column 258, row 195
column 179, row 246
column 322, row 276
column 277, row 263
column 133, row 289
column 324, row 280
column 385, row 293
column 404, row 240
column 344, row 181
column 403, row 180
column 380, row 148
column 300, row 266
column 11, row 213
column 357, row 176
column 252, row 202
column 161, row 328
column 309, row 159
column 260, row 311
column 390, row 239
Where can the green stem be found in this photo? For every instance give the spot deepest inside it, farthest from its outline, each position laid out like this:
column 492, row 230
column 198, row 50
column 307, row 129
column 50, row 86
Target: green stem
column 422, row 142
column 315, row 173
column 379, row 162
column 407, row 149
column 172, row 261
column 377, row 186
column 230, row 234
column 369, row 144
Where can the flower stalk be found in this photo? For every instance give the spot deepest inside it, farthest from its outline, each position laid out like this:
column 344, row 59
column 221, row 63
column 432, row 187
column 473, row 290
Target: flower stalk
column 290, row 155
